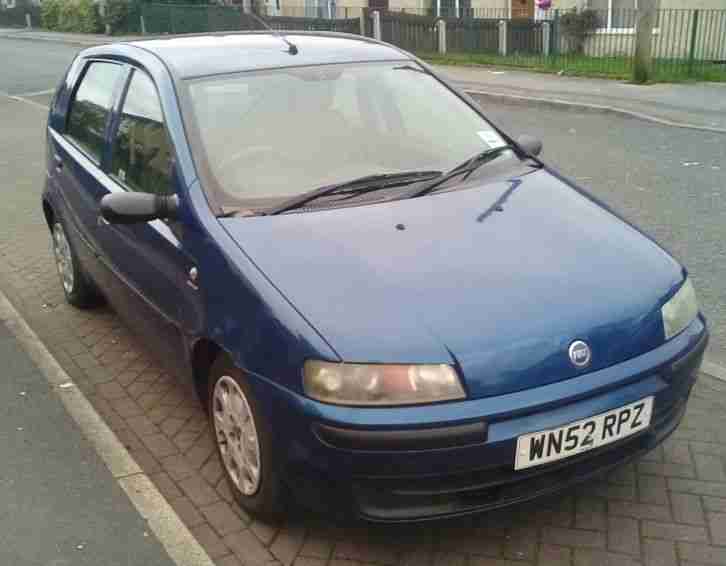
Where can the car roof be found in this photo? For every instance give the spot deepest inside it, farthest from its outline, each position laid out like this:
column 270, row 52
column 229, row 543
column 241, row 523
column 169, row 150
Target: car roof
column 219, row 53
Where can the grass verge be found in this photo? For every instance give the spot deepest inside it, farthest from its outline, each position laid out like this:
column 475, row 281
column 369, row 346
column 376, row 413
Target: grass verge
column 620, row 68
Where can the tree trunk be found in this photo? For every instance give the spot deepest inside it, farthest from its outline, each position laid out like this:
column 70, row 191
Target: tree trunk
column 643, row 40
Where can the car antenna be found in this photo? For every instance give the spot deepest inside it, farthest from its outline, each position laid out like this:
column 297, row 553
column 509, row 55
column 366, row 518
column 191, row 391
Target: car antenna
column 291, row 47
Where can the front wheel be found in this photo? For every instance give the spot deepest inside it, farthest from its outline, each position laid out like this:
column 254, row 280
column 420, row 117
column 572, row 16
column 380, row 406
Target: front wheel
column 244, row 441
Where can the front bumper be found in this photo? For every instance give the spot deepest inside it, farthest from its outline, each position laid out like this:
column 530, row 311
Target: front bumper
column 365, row 471
column 411, row 499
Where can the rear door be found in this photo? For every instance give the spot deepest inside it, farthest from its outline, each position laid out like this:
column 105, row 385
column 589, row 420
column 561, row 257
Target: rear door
column 78, row 152
column 148, row 260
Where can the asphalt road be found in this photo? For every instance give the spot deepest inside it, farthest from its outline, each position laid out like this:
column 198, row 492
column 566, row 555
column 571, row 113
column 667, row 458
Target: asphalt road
column 669, row 181
column 59, row 503
column 30, row 66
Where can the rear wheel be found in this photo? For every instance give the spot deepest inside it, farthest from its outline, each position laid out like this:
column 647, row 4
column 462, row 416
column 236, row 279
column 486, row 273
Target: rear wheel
column 77, row 288
column 244, row 441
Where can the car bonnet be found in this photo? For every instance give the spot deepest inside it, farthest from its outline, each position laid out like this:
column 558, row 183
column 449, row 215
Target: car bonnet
column 499, row 279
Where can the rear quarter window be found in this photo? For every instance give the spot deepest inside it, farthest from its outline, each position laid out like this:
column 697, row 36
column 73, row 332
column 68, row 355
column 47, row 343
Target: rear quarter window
column 91, row 106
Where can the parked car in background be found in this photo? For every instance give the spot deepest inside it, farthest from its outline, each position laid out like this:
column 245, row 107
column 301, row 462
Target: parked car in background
column 386, row 303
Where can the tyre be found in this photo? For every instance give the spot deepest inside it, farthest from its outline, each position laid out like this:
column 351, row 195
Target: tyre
column 244, row 441
column 77, row 287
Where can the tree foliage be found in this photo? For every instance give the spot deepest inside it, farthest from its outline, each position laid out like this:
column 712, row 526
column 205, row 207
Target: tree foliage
column 50, row 13
column 80, row 16
column 117, row 14
column 577, row 25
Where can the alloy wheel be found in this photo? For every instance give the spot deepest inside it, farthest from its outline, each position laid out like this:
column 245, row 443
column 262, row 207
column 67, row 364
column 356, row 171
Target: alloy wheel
column 236, row 435
column 63, row 257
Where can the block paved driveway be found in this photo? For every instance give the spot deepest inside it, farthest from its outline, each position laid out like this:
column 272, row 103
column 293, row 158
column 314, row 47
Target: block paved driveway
column 669, row 508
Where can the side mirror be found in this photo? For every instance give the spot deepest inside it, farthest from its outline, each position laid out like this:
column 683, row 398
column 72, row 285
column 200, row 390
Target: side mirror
column 530, row 144
column 130, row 207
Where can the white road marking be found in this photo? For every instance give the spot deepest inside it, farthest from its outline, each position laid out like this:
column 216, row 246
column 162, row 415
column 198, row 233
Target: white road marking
column 714, row 370
column 180, row 544
column 20, row 99
column 37, row 93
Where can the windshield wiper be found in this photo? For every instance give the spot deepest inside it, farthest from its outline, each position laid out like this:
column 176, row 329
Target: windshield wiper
column 355, row 187
column 231, row 211
column 410, row 68
column 466, row 168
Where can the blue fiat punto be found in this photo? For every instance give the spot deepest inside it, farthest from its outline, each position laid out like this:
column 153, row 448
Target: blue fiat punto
column 386, row 303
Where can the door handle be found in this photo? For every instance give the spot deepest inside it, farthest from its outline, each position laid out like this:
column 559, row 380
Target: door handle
column 58, row 162
column 101, row 221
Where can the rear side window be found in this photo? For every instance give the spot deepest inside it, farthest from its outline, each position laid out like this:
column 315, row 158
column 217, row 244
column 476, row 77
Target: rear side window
column 142, row 153
column 91, row 107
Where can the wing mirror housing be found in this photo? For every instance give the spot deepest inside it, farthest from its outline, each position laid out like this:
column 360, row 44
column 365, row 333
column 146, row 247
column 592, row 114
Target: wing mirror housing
column 530, row 144
column 131, row 208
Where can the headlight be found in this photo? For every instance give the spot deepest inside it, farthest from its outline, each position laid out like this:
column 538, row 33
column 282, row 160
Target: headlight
column 680, row 311
column 380, row 384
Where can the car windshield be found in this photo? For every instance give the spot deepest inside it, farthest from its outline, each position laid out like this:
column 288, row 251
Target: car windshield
column 271, row 135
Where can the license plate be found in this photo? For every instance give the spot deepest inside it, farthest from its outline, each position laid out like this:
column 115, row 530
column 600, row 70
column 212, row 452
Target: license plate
column 546, row 446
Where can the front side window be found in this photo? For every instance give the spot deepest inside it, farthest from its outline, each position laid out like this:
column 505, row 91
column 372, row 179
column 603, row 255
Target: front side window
column 270, row 135
column 142, row 156
column 91, row 106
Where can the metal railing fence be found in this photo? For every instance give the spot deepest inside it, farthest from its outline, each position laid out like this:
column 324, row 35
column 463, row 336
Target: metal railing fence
column 177, row 18
column 17, row 16
column 685, row 44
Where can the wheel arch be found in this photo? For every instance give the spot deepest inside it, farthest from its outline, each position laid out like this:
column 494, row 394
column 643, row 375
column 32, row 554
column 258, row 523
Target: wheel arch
column 204, row 353
column 48, row 213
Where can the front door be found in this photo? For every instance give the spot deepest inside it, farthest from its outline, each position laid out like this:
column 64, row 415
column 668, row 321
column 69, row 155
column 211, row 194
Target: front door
column 522, row 9
column 148, row 263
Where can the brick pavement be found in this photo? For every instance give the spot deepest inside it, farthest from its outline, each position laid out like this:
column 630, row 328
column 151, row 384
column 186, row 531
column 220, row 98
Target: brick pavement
column 667, row 509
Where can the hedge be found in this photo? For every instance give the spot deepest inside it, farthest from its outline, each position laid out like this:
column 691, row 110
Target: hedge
column 80, row 16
